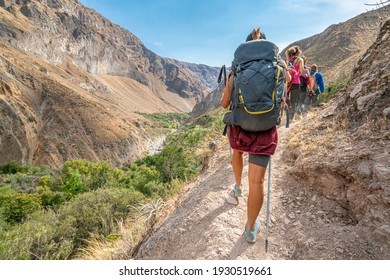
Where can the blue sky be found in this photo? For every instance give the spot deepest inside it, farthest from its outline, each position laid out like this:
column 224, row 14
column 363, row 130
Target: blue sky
column 208, row 31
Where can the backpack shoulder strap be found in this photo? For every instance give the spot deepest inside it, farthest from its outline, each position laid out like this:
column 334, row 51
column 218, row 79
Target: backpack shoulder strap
column 293, row 59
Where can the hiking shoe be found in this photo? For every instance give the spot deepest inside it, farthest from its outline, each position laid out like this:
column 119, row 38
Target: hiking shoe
column 250, row 235
column 234, row 194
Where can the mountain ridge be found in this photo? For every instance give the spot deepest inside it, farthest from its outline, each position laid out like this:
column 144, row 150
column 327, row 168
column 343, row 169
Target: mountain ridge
column 74, row 82
column 337, row 49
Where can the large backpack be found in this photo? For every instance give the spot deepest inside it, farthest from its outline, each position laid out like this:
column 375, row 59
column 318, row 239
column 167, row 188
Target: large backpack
column 259, row 86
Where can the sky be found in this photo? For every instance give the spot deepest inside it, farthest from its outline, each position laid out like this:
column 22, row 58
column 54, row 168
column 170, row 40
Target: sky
column 208, row 31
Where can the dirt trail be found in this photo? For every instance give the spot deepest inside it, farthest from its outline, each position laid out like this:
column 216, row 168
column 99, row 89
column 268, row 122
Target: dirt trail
column 303, row 224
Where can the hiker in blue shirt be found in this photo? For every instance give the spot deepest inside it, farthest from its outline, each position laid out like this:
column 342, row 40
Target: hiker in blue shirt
column 317, row 86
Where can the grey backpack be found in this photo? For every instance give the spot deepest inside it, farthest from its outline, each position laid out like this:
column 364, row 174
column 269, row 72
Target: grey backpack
column 259, row 86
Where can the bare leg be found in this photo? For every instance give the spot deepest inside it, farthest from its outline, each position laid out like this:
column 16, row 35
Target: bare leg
column 238, row 165
column 256, row 175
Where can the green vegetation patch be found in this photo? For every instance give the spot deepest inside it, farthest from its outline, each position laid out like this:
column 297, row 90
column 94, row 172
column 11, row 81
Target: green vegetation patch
column 333, row 89
column 51, row 213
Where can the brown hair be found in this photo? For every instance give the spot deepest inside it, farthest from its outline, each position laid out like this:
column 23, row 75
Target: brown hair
column 255, row 34
column 293, row 51
column 313, row 68
column 304, row 59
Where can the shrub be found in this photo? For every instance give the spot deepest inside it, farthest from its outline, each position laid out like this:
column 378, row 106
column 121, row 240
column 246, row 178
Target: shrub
column 173, row 163
column 80, row 176
column 50, row 199
column 21, row 178
column 146, row 180
column 41, row 237
column 51, row 235
column 166, row 120
column 6, row 189
column 13, row 167
column 20, row 182
column 15, row 208
column 332, row 89
column 98, row 211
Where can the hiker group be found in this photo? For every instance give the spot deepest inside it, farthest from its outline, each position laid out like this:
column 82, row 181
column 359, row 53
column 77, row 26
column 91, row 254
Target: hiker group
column 306, row 83
column 259, row 86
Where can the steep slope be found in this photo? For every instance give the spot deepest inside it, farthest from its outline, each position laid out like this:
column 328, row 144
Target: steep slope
column 330, row 185
column 344, row 152
column 337, row 49
column 58, row 30
column 72, row 81
column 304, row 224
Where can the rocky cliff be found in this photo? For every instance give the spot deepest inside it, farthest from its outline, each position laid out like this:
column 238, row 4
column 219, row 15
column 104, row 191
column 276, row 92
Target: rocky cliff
column 58, row 30
column 344, row 150
column 337, row 49
column 71, row 83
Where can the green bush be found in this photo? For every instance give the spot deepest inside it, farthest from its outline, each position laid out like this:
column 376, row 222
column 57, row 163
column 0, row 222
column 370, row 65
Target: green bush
column 333, row 89
column 12, row 167
column 21, row 178
column 6, row 189
column 187, row 138
column 59, row 209
column 15, row 208
column 80, row 176
column 166, row 120
column 51, row 199
column 173, row 163
column 98, row 211
column 58, row 235
column 146, row 180
column 20, row 182
column 44, row 236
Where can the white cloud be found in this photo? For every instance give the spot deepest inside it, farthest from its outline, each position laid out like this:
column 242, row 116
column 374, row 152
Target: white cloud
column 157, row 44
column 349, row 6
column 321, row 6
column 282, row 45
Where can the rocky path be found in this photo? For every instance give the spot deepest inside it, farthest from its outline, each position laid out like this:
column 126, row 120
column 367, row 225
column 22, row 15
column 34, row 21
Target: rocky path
column 303, row 224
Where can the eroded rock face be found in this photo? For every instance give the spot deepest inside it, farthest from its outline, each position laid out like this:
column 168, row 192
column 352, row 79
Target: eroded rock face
column 338, row 47
column 344, row 152
column 71, row 82
column 65, row 29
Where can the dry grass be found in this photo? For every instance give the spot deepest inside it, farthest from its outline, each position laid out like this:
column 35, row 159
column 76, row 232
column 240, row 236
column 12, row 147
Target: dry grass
column 315, row 139
column 130, row 234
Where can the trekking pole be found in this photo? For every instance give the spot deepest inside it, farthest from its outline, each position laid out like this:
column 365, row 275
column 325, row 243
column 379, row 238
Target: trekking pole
column 287, row 116
column 222, row 85
column 268, row 203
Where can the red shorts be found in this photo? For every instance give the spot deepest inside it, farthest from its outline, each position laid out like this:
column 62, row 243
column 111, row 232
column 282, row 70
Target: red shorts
column 261, row 143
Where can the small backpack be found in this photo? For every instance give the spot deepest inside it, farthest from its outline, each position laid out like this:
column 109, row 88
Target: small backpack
column 305, row 78
column 259, row 87
column 313, row 83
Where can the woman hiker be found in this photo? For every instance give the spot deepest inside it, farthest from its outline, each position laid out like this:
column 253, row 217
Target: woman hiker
column 257, row 162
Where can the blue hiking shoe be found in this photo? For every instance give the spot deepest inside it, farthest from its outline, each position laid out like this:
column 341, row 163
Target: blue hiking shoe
column 250, row 235
column 234, row 195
